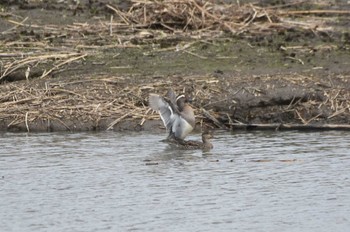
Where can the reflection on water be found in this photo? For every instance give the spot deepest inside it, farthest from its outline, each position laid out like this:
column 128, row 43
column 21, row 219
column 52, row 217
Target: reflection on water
column 261, row 181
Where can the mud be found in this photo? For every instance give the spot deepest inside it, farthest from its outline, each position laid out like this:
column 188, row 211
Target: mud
column 291, row 76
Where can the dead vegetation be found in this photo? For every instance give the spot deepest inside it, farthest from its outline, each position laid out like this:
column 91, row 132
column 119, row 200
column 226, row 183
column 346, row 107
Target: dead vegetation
column 51, row 47
column 107, row 101
column 29, row 50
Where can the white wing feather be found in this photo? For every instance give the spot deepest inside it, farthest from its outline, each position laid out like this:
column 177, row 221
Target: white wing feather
column 157, row 103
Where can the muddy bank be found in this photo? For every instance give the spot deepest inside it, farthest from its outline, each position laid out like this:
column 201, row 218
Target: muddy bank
column 76, row 68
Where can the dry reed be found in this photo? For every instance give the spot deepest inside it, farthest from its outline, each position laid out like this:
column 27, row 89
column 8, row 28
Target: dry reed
column 107, row 101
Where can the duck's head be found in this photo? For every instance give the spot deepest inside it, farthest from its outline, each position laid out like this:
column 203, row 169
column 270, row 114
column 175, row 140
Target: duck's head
column 206, row 136
column 182, row 100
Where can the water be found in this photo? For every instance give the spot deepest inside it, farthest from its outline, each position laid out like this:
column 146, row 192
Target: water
column 262, row 181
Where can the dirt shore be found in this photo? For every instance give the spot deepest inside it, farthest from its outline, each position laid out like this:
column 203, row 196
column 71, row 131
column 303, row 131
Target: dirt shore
column 87, row 66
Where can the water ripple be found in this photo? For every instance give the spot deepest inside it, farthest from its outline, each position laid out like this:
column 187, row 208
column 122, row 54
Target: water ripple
column 252, row 181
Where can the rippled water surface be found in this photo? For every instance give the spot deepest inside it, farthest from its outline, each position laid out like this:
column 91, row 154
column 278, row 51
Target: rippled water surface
column 262, row 181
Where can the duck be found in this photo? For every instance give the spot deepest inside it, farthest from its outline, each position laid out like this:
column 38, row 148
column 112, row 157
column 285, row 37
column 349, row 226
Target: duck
column 192, row 144
column 175, row 112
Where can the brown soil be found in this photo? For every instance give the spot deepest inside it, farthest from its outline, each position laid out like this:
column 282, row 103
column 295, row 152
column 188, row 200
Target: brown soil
column 74, row 67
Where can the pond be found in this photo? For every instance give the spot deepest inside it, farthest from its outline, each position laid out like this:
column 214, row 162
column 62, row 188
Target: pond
column 107, row 181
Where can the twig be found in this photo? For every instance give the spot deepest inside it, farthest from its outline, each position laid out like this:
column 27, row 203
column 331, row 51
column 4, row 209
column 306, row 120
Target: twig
column 45, row 73
column 35, row 59
column 229, row 119
column 337, row 113
column 296, row 59
column 273, row 126
column 196, row 55
column 301, row 118
column 314, row 12
column 214, row 17
column 65, row 125
column 310, row 120
column 213, row 119
column 110, row 126
column 144, row 116
column 119, row 13
column 16, row 23
column 285, row 5
column 110, row 26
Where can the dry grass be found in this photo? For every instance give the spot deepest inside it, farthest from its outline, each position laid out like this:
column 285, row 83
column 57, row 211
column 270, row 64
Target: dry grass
column 59, row 102
column 58, row 45
column 107, row 101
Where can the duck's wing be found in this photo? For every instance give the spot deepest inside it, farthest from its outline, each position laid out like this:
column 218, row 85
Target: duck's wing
column 171, row 95
column 165, row 110
column 173, row 100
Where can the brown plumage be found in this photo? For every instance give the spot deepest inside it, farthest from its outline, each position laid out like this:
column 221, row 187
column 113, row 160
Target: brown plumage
column 192, row 144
